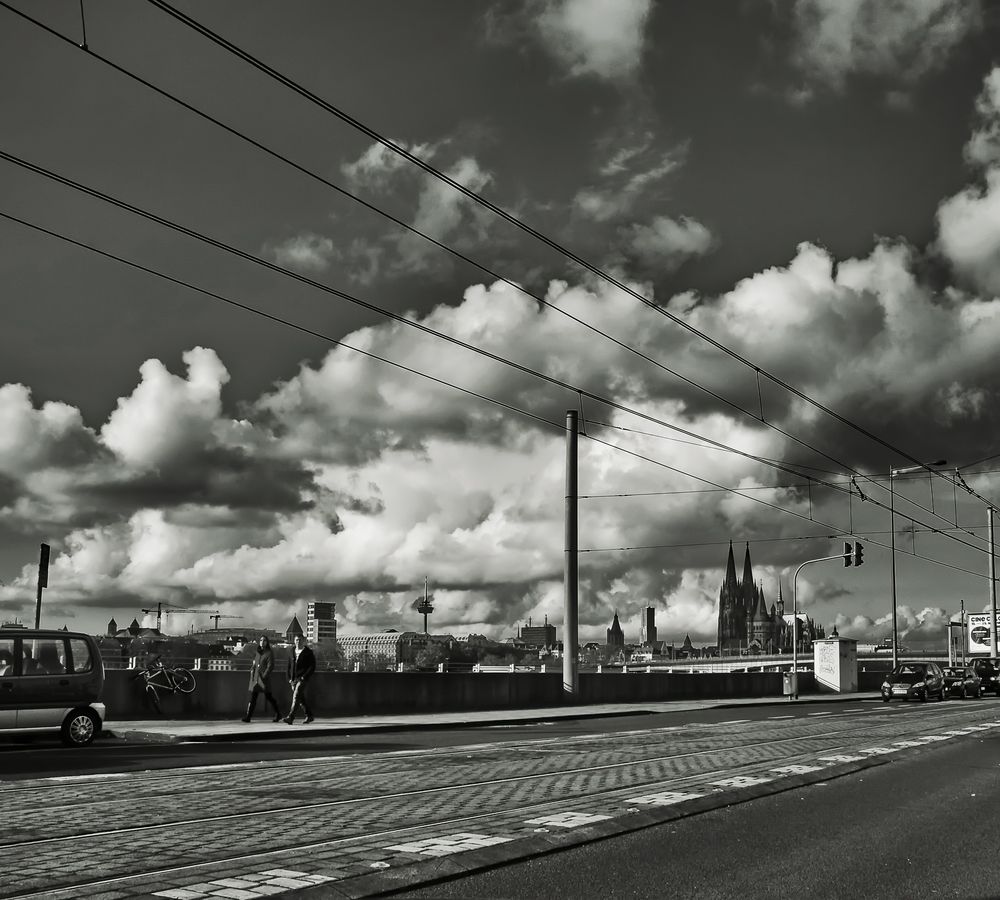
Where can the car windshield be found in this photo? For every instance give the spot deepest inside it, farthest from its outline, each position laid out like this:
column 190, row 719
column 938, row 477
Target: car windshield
column 908, row 674
column 955, row 673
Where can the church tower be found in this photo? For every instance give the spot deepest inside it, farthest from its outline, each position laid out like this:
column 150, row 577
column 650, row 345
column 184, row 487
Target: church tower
column 616, row 637
column 730, row 607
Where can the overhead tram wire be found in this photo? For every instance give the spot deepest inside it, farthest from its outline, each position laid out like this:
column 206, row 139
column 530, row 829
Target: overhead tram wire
column 786, row 467
column 436, row 173
column 372, row 307
column 413, row 230
column 751, row 539
column 790, row 512
column 279, row 320
column 311, row 332
column 242, row 254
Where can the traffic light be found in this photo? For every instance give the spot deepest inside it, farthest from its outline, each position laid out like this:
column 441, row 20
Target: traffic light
column 847, row 553
column 859, row 554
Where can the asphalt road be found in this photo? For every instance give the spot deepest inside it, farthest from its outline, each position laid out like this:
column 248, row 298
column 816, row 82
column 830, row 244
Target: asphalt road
column 917, row 826
column 663, row 804
column 35, row 757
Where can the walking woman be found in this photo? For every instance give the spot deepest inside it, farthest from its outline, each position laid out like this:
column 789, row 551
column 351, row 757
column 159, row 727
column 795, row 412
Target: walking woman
column 260, row 679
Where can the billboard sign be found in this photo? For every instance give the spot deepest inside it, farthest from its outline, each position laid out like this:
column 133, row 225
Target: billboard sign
column 978, row 632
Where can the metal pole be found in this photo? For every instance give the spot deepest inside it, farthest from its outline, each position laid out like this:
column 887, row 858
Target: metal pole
column 892, row 553
column 993, row 585
column 571, row 687
column 795, row 635
column 963, row 631
column 42, row 581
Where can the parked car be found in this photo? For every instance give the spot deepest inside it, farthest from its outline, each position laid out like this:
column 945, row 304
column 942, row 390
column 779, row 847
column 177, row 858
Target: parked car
column 988, row 670
column 51, row 681
column 914, row 681
column 961, row 681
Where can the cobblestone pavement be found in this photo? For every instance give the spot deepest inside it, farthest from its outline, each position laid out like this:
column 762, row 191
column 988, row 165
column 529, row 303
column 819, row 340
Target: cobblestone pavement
column 356, row 825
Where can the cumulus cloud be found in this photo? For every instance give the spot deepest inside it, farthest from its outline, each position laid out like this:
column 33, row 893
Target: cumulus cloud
column 969, row 222
column 665, row 243
column 435, row 209
column 597, row 38
column 901, row 39
column 307, row 253
column 351, row 480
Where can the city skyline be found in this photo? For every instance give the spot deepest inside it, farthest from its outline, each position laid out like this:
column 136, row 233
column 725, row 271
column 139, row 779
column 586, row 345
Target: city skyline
column 822, row 201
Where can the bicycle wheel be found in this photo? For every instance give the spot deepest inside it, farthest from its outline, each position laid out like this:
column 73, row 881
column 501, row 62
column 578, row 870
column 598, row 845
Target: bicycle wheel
column 154, row 697
column 183, row 680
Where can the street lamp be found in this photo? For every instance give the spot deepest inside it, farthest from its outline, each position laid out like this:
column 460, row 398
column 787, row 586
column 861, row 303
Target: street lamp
column 892, row 543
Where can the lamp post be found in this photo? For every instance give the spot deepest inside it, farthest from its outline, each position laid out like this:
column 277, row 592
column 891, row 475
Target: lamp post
column 892, row 544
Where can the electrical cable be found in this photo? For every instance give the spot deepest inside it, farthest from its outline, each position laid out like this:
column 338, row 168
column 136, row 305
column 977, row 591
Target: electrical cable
column 319, row 335
column 93, row 192
column 279, row 320
column 772, row 505
column 402, row 224
column 372, row 307
column 477, row 198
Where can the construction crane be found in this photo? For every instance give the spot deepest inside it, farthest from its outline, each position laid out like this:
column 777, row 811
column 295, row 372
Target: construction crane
column 161, row 612
column 212, row 613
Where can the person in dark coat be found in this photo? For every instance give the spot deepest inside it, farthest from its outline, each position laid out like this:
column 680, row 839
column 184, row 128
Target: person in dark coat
column 301, row 666
column 260, row 679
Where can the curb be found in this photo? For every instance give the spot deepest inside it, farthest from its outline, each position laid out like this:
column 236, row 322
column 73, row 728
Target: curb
column 124, row 732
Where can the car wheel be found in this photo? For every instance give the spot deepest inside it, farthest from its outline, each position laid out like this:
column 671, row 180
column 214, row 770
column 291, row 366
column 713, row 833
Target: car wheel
column 80, row 728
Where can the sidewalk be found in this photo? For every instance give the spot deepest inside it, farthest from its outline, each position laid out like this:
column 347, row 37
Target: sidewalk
column 262, row 728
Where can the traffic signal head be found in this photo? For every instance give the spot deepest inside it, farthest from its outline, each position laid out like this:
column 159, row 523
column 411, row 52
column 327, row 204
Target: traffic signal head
column 847, row 553
column 859, row 554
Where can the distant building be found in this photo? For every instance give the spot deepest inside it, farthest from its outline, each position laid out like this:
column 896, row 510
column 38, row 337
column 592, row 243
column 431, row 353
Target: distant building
column 396, row 646
column 293, row 629
column 616, row 637
column 648, row 630
column 538, row 635
column 745, row 623
column 321, row 622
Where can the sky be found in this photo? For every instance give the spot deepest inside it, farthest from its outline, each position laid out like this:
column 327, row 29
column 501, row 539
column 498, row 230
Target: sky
column 790, row 219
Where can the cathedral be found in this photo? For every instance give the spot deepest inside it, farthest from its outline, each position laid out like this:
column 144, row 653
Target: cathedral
column 745, row 623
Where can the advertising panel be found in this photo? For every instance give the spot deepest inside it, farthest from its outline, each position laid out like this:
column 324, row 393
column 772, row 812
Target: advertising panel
column 978, row 633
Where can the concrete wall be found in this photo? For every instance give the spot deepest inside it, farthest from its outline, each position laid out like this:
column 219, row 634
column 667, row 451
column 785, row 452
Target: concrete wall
column 224, row 694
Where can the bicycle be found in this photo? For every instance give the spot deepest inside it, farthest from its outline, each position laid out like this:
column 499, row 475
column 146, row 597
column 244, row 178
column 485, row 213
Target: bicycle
column 158, row 676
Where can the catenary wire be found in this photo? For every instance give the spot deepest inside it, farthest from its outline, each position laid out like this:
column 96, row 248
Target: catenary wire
column 372, row 307
column 93, row 192
column 477, row 198
column 399, row 222
column 278, row 320
column 737, row 493
column 319, row 335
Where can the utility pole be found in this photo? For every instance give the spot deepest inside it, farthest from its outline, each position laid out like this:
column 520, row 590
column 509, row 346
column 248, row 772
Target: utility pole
column 571, row 686
column 993, row 585
column 43, row 582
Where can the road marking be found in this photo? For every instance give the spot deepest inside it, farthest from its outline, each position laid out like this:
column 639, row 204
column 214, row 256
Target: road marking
column 568, row 819
column 665, row 798
column 797, row 770
column 246, row 887
column 820, row 714
column 781, row 717
column 450, row 843
column 740, row 781
column 841, row 758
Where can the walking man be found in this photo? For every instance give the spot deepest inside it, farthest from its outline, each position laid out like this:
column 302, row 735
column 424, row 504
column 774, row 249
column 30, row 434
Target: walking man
column 260, row 679
column 301, row 666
